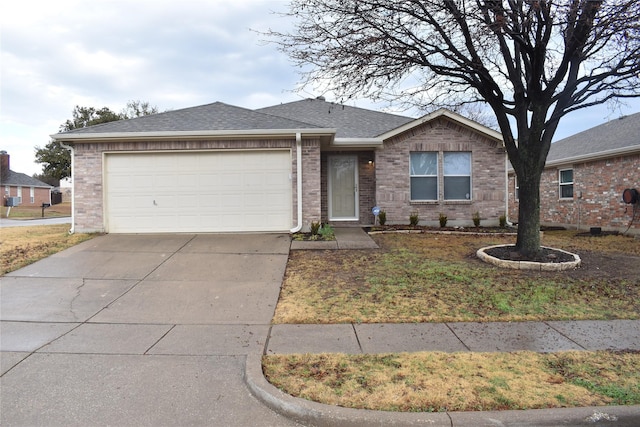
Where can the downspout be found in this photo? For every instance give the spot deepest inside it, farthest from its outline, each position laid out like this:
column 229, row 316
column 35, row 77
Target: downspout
column 73, row 187
column 299, row 181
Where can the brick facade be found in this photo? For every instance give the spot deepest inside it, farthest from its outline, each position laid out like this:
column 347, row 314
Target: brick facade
column 89, row 161
column 600, row 183
column 441, row 135
column 40, row 195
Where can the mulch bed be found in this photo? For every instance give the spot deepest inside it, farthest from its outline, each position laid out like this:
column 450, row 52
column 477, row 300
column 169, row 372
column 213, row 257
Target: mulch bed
column 546, row 255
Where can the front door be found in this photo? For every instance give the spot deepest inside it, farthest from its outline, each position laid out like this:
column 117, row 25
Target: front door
column 343, row 188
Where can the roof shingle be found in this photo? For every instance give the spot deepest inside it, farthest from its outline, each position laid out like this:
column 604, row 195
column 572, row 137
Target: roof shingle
column 614, row 135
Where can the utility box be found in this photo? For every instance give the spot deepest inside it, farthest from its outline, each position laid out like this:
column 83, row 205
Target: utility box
column 12, row 201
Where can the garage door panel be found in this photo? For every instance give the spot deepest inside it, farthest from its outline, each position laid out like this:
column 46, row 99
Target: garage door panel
column 198, row 192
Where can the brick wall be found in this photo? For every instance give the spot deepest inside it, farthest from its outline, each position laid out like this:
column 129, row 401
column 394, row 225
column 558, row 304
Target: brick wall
column 88, row 173
column 488, row 175
column 601, row 183
column 40, row 195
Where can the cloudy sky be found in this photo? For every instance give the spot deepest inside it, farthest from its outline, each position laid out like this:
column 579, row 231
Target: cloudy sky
column 173, row 54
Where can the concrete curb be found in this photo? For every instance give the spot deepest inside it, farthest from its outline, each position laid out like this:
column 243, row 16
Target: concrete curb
column 528, row 265
column 316, row 414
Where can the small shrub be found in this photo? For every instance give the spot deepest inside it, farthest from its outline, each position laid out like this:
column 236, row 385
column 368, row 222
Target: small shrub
column 476, row 219
column 382, row 217
column 315, row 228
column 326, row 231
column 443, row 220
column 503, row 221
column 414, row 219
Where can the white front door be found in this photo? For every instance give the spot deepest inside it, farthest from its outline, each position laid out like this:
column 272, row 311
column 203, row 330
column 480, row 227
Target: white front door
column 343, row 188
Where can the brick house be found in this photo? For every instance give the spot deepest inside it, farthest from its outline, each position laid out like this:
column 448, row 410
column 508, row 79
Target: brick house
column 585, row 176
column 28, row 190
column 221, row 168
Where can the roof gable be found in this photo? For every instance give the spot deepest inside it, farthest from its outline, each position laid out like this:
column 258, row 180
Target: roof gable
column 615, row 136
column 349, row 122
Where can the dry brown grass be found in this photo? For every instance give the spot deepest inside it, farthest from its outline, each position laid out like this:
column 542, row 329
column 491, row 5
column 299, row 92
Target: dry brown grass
column 459, row 381
column 437, row 278
column 20, row 246
column 29, row 212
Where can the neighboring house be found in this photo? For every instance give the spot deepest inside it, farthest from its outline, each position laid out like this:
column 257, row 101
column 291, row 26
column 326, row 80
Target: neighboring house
column 221, row 168
column 28, row 190
column 585, row 177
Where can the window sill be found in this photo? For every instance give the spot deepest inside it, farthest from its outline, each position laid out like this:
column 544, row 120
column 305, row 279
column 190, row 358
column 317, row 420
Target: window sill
column 441, row 202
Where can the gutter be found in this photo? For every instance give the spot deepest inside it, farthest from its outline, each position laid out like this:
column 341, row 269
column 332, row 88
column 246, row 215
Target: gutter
column 299, row 181
column 197, row 134
column 73, row 187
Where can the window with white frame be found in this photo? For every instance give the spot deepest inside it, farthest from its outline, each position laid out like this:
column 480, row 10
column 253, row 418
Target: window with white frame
column 457, row 175
column 7, row 190
column 32, row 194
column 566, row 183
column 424, row 175
column 517, row 188
column 19, row 194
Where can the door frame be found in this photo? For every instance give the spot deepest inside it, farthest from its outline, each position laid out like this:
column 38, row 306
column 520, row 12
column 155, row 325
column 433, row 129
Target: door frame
column 356, row 190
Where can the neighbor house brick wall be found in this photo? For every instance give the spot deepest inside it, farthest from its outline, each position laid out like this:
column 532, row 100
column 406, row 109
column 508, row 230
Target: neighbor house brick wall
column 88, row 171
column 488, row 175
column 601, row 183
column 40, row 195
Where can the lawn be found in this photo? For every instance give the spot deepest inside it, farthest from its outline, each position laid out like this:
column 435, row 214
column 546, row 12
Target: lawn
column 437, row 278
column 20, row 246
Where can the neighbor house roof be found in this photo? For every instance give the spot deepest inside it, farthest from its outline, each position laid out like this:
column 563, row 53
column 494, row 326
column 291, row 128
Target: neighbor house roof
column 349, row 122
column 17, row 179
column 205, row 120
column 616, row 137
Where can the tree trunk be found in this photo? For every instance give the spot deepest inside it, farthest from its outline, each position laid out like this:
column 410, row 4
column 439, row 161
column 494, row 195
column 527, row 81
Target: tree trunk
column 528, row 241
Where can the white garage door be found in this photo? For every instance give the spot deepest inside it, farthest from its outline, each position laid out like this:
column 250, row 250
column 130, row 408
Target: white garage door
column 221, row 191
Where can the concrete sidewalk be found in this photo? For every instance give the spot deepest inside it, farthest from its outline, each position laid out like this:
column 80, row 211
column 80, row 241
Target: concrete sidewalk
column 540, row 337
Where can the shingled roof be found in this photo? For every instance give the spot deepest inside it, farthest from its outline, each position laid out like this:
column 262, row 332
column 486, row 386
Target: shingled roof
column 349, row 122
column 211, row 117
column 17, row 179
column 615, row 137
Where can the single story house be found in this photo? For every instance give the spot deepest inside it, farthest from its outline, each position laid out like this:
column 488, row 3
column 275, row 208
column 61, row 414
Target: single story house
column 585, row 176
column 222, row 168
column 28, row 190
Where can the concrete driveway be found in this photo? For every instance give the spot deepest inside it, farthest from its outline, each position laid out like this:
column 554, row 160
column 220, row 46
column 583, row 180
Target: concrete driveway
column 140, row 330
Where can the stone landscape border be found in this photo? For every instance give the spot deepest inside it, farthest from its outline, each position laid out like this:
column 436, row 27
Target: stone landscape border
column 529, row 265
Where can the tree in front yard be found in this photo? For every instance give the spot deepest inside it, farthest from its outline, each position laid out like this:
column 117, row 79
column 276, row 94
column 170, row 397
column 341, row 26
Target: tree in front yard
column 531, row 62
column 56, row 160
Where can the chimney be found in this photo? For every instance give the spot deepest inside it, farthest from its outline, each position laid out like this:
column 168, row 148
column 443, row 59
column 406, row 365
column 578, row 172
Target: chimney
column 4, row 165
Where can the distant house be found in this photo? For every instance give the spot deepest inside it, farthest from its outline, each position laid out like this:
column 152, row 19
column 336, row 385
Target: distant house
column 585, row 177
column 28, row 190
column 222, row 168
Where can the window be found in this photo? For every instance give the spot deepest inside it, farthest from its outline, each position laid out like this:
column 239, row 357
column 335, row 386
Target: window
column 457, row 176
column 19, row 195
column 32, row 194
column 566, row 184
column 517, row 187
column 6, row 190
column 424, row 175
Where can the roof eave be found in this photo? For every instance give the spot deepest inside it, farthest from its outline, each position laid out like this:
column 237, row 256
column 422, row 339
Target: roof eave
column 216, row 134
column 634, row 149
column 357, row 142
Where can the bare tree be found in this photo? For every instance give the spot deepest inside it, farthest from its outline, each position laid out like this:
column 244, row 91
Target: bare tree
column 532, row 62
